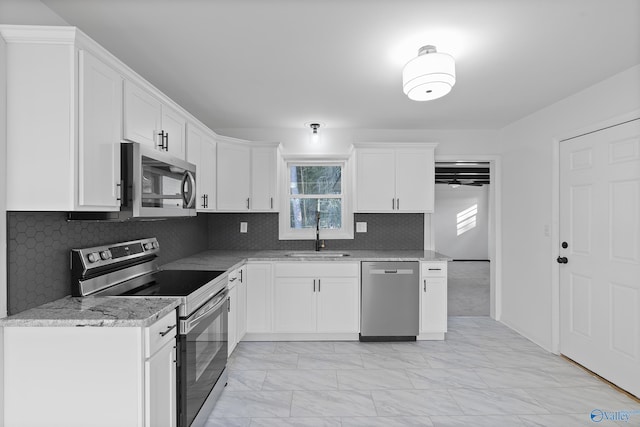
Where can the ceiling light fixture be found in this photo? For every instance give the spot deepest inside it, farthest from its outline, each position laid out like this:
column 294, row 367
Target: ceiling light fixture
column 315, row 136
column 430, row 75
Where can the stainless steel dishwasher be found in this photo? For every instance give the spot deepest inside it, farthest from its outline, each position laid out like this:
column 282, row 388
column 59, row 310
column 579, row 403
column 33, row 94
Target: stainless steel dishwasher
column 390, row 298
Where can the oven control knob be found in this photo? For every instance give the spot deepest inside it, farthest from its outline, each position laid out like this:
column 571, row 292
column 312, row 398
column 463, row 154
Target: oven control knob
column 148, row 246
column 93, row 257
column 105, row 255
column 156, row 245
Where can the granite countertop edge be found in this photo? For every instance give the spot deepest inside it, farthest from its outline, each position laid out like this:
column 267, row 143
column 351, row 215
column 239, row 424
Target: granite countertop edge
column 94, row 312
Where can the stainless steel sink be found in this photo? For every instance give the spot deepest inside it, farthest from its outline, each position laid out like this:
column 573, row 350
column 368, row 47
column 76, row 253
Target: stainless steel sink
column 313, row 254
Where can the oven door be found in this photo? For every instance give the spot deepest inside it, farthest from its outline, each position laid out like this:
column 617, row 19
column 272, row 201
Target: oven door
column 203, row 355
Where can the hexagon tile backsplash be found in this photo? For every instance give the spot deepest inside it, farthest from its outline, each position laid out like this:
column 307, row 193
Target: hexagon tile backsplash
column 39, row 243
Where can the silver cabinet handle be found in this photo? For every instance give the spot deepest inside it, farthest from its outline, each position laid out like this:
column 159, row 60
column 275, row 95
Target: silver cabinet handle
column 393, row 204
column 398, row 204
column 314, row 285
column 318, row 285
column 169, row 329
column 425, row 286
column 247, row 203
column 271, row 202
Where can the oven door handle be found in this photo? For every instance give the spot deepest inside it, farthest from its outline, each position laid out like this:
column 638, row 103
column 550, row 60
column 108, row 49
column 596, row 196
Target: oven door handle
column 214, row 305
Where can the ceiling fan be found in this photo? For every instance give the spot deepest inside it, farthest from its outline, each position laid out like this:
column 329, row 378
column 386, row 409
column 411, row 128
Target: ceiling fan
column 455, row 182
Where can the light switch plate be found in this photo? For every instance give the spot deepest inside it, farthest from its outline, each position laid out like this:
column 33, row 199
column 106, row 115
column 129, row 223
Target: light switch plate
column 243, row 227
column 361, row 227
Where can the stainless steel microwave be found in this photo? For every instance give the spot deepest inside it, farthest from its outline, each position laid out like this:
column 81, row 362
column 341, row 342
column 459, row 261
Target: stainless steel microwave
column 154, row 185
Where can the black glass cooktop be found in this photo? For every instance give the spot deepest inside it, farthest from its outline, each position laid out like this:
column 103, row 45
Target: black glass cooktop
column 173, row 283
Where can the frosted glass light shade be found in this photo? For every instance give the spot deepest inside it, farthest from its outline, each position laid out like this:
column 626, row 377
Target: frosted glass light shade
column 428, row 76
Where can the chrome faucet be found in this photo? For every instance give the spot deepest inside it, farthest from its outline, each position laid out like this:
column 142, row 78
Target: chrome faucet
column 319, row 243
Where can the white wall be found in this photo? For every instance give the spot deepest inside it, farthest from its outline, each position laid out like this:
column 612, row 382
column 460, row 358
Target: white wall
column 529, row 181
column 449, row 203
column 28, row 12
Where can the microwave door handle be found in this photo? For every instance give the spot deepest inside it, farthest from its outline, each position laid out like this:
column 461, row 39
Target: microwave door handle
column 189, row 195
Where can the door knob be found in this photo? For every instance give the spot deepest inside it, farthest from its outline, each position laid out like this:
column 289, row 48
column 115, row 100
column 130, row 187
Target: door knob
column 562, row 260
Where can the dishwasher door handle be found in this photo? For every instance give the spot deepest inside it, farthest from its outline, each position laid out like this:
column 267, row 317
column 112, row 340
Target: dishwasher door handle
column 398, row 271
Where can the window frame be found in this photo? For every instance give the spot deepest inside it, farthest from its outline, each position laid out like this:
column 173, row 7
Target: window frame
column 285, row 230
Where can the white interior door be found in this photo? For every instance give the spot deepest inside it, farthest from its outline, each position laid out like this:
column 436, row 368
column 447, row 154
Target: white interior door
column 600, row 281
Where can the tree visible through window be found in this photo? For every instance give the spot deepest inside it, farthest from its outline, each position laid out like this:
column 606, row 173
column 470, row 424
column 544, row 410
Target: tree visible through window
column 313, row 189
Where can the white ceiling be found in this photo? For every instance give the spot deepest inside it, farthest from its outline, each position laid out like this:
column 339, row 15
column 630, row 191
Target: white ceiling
column 283, row 63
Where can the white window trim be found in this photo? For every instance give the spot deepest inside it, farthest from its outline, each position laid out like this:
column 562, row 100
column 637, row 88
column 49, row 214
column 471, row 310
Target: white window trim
column 286, row 232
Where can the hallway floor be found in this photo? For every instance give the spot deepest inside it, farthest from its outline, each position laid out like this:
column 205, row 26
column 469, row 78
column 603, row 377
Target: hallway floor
column 483, row 374
column 468, row 288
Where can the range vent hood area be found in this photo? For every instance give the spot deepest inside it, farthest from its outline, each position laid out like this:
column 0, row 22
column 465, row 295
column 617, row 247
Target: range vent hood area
column 474, row 174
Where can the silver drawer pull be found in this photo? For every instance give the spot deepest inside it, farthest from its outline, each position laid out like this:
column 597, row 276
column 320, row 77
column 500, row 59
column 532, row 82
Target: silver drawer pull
column 169, row 328
column 435, row 269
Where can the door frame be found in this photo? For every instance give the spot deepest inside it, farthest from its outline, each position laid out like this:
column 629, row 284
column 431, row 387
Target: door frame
column 495, row 225
column 555, row 213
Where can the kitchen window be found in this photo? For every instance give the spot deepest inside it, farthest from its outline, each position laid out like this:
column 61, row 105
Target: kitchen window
column 315, row 191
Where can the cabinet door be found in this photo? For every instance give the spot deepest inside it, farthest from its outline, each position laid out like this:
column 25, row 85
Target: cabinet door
column 415, row 180
column 174, row 125
column 100, row 118
column 375, row 180
column 263, row 178
column 232, row 324
column 142, row 115
column 201, row 151
column 434, row 304
column 294, row 304
column 259, row 293
column 241, row 312
column 338, row 305
column 160, row 385
column 233, row 177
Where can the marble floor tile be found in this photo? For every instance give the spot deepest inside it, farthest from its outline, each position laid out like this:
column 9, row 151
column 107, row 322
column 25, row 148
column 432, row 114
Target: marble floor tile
column 297, row 422
column 373, row 379
column 240, row 380
column 483, row 374
column 300, row 379
column 496, row 402
column 332, row 404
column 263, row 361
column 456, row 359
column 478, row 421
column 582, row 399
column 305, row 347
column 242, row 404
column 517, row 377
column 386, row 422
column 330, row 361
column 391, row 403
column 394, row 360
column 444, row 378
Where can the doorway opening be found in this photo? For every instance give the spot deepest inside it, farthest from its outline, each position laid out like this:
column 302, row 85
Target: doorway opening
column 461, row 230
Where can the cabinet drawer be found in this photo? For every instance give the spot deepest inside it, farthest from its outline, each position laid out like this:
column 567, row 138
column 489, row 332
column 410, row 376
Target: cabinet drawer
column 161, row 332
column 317, row 269
column 434, row 269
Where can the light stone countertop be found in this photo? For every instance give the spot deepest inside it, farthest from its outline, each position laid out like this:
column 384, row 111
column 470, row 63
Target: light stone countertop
column 94, row 311
column 226, row 260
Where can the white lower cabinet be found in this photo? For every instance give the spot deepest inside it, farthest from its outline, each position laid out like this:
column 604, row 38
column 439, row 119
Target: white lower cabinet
column 259, row 292
column 433, row 300
column 98, row 376
column 316, row 298
column 237, row 320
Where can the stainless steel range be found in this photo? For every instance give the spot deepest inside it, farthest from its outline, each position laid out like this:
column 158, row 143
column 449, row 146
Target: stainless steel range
column 129, row 269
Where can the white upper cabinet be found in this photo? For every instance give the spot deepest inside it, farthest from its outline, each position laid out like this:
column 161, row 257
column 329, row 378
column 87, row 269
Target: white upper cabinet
column 100, row 118
column 233, row 177
column 201, row 151
column 394, row 178
column 64, row 118
column 67, row 114
column 148, row 121
column 246, row 176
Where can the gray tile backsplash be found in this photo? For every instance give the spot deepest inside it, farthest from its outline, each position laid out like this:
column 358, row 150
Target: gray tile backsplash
column 39, row 243
column 384, row 231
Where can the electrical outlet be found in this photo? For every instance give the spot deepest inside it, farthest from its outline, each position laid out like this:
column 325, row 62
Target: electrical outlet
column 361, row 227
column 243, row 227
